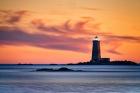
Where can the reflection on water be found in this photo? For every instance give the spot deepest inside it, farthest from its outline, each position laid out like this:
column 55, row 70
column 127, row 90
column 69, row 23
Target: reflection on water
column 102, row 79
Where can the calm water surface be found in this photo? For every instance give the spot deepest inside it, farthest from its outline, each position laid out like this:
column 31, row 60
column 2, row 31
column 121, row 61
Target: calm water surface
column 97, row 79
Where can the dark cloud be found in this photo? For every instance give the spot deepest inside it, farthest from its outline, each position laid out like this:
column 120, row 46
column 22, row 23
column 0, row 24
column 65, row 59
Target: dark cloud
column 15, row 36
column 12, row 17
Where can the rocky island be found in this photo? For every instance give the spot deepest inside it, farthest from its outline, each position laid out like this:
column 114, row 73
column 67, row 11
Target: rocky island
column 63, row 69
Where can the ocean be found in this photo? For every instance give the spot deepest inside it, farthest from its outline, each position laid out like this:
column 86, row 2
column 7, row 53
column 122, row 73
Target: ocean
column 96, row 79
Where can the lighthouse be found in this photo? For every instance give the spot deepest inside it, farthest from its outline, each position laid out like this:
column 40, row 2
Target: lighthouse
column 96, row 53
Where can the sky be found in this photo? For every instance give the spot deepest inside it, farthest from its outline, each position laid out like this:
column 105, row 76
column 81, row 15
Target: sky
column 61, row 31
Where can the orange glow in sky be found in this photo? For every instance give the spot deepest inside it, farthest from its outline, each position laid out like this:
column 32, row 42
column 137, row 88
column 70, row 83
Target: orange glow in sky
column 61, row 31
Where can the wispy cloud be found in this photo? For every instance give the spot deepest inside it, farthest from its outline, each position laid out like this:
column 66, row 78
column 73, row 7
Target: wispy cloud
column 113, row 47
column 71, row 36
column 15, row 36
column 68, row 28
column 125, row 38
column 115, row 41
column 12, row 17
column 90, row 8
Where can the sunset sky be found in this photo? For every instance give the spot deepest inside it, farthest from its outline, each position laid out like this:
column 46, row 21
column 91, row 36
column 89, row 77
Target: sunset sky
column 61, row 31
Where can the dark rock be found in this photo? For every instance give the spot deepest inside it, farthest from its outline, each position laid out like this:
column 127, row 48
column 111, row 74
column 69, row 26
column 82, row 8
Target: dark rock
column 45, row 69
column 64, row 69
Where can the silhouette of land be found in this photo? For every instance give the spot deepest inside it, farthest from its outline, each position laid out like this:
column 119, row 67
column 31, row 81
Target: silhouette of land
column 107, row 63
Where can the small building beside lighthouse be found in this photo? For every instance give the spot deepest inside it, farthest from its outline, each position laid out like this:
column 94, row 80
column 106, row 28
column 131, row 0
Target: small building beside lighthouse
column 96, row 53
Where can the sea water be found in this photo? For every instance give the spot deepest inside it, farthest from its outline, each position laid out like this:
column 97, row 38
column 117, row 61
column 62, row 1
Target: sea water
column 96, row 79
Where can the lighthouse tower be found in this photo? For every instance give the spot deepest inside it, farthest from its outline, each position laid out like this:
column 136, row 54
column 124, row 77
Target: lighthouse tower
column 96, row 53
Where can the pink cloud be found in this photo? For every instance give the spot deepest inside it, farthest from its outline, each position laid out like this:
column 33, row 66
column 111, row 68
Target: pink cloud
column 71, row 36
